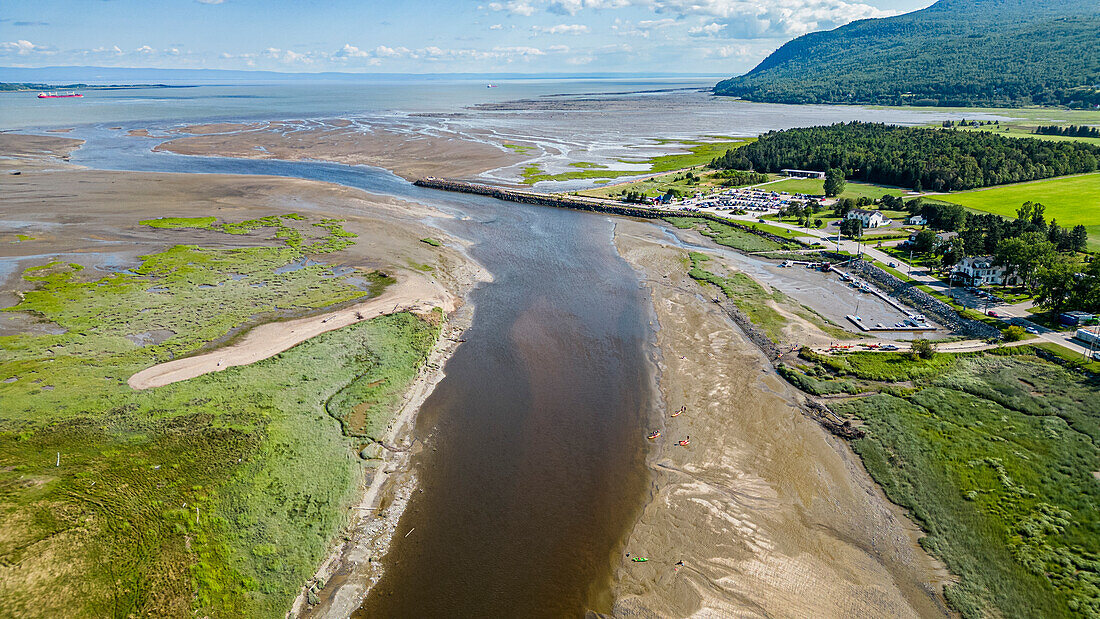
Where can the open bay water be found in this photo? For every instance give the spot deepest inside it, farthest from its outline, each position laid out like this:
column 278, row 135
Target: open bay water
column 219, row 101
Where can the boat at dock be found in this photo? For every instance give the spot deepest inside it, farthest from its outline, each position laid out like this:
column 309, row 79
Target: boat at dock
column 58, row 95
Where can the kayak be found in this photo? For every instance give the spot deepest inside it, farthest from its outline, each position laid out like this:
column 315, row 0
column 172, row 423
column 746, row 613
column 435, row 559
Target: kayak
column 684, row 443
column 654, row 434
column 639, row 559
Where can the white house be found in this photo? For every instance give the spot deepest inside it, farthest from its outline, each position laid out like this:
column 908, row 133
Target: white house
column 917, row 220
column 980, row 271
column 870, row 219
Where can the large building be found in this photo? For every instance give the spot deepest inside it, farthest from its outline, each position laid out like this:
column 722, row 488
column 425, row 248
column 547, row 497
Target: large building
column 803, row 173
column 980, row 271
column 870, row 219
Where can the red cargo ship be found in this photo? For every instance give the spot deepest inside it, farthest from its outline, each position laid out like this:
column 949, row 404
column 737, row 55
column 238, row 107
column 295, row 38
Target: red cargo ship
column 54, row 95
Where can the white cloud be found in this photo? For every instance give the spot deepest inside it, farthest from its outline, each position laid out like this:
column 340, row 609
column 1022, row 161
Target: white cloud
column 557, row 49
column 514, row 7
column 729, row 51
column 709, row 30
column 579, row 60
column 210, row 1
column 145, row 49
column 642, row 28
column 573, row 29
column 350, row 51
column 496, row 27
column 23, row 47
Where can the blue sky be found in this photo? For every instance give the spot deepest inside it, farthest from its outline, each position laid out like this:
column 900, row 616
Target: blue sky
column 419, row 36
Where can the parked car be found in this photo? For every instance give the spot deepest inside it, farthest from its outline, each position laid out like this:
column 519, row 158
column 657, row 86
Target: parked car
column 1032, row 330
column 993, row 314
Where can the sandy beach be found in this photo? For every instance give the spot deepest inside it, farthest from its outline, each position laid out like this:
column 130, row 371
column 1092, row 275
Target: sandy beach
column 412, row 293
column 770, row 515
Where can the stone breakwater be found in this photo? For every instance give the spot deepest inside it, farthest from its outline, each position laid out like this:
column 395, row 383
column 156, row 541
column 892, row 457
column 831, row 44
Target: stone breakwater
column 582, row 203
column 926, row 303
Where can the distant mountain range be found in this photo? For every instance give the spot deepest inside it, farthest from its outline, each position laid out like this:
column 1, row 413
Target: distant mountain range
column 955, row 52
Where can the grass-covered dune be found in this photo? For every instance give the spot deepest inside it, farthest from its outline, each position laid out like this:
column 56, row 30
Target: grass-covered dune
column 216, row 496
column 995, row 455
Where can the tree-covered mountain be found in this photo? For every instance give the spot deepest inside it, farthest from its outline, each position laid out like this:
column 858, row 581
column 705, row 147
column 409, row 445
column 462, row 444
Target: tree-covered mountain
column 955, row 52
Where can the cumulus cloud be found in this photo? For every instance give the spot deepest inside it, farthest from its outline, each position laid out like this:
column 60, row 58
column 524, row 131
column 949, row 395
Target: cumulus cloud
column 730, row 51
column 514, row 7
column 350, row 51
column 573, row 29
column 643, row 28
column 23, row 47
column 709, row 30
column 496, row 27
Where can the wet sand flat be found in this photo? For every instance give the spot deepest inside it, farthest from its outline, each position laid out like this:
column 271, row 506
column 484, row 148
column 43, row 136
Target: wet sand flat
column 410, row 155
column 770, row 515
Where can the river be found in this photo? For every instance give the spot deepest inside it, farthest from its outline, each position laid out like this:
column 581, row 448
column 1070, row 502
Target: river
column 534, row 463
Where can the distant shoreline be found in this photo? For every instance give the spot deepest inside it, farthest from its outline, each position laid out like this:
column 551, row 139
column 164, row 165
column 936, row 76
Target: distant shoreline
column 35, row 87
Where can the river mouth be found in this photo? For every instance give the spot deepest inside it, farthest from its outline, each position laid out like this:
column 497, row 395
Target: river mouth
column 533, row 467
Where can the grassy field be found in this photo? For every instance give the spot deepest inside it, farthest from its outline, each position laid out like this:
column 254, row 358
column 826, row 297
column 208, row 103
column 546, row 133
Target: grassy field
column 993, row 455
column 215, row 496
column 1072, row 200
column 696, row 153
column 1020, row 122
column 1027, row 130
column 730, row 236
column 815, row 187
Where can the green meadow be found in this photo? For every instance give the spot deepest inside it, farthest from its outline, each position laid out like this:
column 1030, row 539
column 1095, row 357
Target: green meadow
column 1071, row 200
column 994, row 455
column 216, row 496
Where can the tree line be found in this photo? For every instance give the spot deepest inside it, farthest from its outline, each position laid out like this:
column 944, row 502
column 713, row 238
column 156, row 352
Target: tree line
column 926, row 159
column 1073, row 131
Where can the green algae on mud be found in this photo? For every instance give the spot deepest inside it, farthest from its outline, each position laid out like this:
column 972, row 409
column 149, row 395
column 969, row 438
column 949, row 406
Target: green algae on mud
column 216, row 495
column 179, row 222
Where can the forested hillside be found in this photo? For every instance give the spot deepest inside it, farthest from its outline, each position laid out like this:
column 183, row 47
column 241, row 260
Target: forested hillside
column 918, row 157
column 955, row 52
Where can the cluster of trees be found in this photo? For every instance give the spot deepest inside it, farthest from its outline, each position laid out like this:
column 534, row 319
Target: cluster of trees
column 803, row 213
column 947, row 124
column 740, row 178
column 982, row 233
column 1043, row 255
column 1073, row 131
column 954, row 53
column 634, row 197
column 921, row 158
